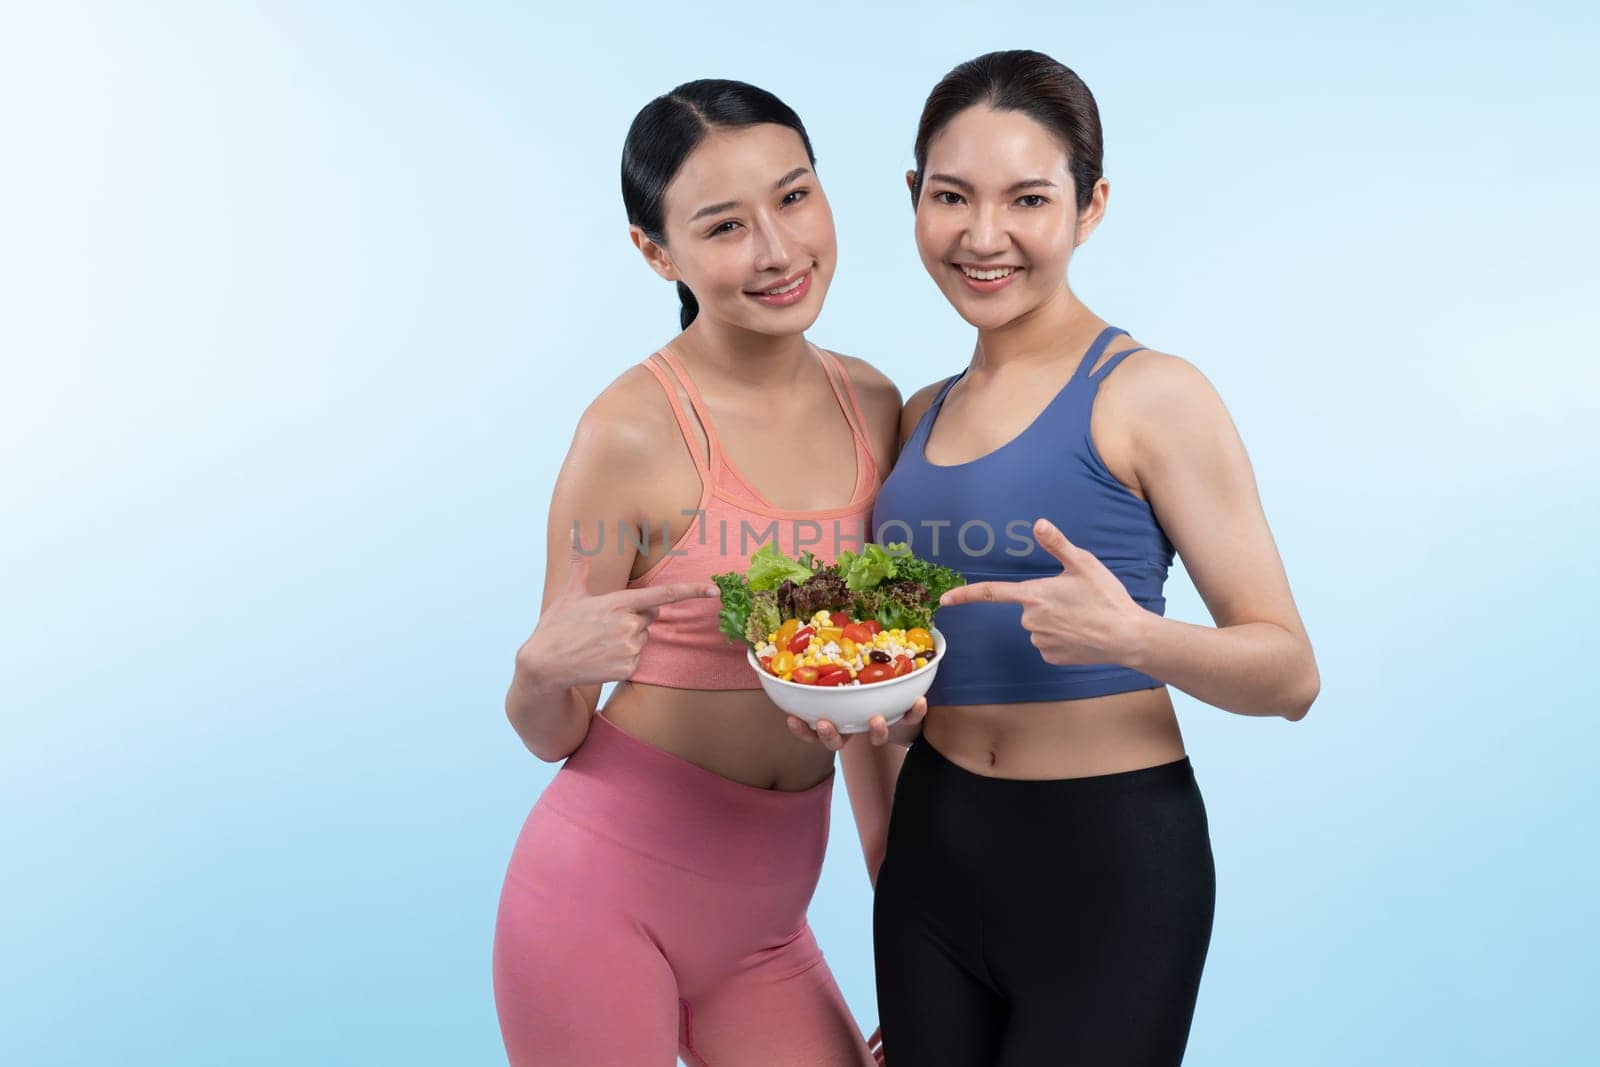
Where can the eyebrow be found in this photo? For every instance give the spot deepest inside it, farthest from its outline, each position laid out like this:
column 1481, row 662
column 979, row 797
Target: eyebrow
column 729, row 205
column 966, row 186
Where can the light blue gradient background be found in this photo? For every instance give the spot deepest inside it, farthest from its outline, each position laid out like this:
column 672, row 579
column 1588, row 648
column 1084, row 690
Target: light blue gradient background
column 299, row 305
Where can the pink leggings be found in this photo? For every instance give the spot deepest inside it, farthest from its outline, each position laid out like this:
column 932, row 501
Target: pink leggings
column 654, row 909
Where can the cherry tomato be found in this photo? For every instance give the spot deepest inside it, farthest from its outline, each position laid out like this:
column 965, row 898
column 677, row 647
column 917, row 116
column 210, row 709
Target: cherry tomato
column 766, row 661
column 919, row 637
column 902, row 665
column 801, row 638
column 783, row 663
column 804, row 675
column 787, row 630
column 836, row 676
column 875, row 672
column 874, row 625
column 858, row 633
column 840, row 618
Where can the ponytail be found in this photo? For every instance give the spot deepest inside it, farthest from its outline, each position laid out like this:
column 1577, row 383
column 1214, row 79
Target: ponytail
column 690, row 308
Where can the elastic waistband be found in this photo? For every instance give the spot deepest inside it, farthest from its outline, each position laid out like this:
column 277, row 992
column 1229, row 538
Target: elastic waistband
column 956, row 780
column 663, row 806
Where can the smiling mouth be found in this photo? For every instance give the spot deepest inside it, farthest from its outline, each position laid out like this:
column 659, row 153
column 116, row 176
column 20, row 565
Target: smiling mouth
column 786, row 293
column 986, row 274
column 780, row 290
column 782, row 287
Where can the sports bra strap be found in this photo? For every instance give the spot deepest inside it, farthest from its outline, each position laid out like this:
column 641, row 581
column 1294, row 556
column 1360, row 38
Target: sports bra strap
column 925, row 421
column 1097, row 349
column 847, row 398
column 1111, row 364
column 666, row 379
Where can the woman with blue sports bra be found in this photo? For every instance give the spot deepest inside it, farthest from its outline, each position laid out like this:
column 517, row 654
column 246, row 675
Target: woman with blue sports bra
column 1046, row 889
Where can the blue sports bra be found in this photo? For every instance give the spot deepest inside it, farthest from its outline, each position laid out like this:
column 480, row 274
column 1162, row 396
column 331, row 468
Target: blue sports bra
column 977, row 518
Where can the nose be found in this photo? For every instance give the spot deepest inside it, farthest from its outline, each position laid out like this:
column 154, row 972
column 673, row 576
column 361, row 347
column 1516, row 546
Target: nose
column 984, row 235
column 772, row 244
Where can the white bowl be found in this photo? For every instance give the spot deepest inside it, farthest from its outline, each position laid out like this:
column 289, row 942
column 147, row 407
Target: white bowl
column 850, row 707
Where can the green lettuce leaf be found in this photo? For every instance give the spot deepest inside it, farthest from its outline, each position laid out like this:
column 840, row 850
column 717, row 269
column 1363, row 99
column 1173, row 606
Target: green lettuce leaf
column 734, row 617
column 873, row 565
column 936, row 579
column 769, row 567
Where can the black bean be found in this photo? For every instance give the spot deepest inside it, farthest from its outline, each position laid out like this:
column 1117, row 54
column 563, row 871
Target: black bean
column 879, row 656
column 925, row 654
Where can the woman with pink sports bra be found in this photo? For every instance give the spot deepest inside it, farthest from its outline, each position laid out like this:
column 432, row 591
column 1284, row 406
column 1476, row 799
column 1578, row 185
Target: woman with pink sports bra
column 654, row 905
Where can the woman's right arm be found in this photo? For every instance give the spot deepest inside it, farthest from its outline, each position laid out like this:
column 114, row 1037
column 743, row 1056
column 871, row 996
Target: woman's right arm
column 591, row 628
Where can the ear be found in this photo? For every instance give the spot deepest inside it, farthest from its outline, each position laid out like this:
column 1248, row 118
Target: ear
column 911, row 185
column 1089, row 218
column 655, row 255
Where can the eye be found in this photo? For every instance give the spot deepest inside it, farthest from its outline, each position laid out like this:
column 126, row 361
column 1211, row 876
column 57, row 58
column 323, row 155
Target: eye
column 1032, row 200
column 795, row 196
column 722, row 228
column 945, row 196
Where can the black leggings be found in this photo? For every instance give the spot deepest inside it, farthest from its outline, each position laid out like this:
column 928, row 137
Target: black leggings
column 1037, row 923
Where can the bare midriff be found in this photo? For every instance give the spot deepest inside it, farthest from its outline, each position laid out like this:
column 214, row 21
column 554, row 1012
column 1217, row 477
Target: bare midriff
column 1059, row 738
column 736, row 733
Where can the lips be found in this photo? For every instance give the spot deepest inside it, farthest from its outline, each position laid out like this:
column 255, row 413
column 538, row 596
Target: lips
column 789, row 291
column 986, row 279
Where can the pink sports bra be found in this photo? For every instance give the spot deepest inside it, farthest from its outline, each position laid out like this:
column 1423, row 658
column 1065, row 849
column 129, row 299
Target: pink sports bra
column 685, row 649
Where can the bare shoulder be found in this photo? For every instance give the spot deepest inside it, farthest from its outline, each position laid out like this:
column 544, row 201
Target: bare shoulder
column 1158, row 417
column 877, row 393
column 1161, row 392
column 879, row 398
column 626, row 425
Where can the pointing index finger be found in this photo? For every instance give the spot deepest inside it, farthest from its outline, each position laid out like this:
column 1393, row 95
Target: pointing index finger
column 984, row 593
column 656, row 596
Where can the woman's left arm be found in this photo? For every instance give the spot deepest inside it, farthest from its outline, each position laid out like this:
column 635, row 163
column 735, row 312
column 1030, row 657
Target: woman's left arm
column 1192, row 468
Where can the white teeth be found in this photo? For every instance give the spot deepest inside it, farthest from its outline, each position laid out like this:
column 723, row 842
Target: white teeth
column 791, row 287
column 988, row 275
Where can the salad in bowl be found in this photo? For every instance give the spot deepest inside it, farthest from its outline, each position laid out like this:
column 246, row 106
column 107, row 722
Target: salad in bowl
column 843, row 641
